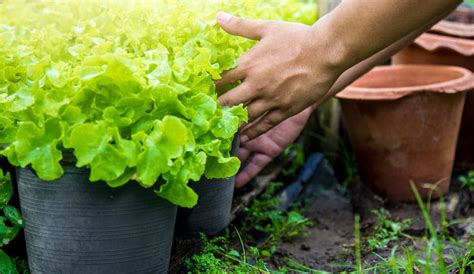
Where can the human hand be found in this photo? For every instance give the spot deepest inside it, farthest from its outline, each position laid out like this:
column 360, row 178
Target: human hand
column 258, row 153
column 287, row 71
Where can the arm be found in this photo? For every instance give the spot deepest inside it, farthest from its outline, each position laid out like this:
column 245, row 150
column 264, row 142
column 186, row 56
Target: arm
column 363, row 67
column 258, row 153
column 294, row 66
column 358, row 29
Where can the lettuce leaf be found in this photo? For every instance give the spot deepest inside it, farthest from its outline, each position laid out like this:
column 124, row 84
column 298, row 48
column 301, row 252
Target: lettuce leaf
column 126, row 86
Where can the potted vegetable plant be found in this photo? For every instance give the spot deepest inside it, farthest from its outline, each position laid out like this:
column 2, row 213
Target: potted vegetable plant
column 403, row 123
column 212, row 212
column 115, row 103
column 211, row 215
column 451, row 42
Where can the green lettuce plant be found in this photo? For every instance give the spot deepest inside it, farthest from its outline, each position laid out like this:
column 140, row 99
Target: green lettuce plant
column 126, row 88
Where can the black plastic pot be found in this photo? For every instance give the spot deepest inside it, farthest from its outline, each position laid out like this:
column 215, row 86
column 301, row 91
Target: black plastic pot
column 212, row 213
column 74, row 226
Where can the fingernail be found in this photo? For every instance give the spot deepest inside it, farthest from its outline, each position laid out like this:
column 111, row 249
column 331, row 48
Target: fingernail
column 223, row 17
column 244, row 138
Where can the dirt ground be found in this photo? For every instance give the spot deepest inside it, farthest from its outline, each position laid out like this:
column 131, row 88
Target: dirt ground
column 329, row 245
column 328, row 242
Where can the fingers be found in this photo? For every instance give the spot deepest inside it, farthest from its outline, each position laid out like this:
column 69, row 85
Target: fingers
column 243, row 154
column 240, row 94
column 258, row 108
column 256, row 164
column 267, row 122
column 247, row 28
column 231, row 76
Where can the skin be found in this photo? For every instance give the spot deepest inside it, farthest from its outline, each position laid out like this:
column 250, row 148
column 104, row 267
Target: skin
column 278, row 73
column 257, row 153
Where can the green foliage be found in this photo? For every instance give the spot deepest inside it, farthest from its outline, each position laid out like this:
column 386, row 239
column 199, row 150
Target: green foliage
column 423, row 262
column 206, row 260
column 127, row 86
column 218, row 257
column 415, row 262
column 385, row 230
column 432, row 230
column 10, row 222
column 296, row 153
column 264, row 216
column 467, row 181
column 357, row 244
column 6, row 264
column 21, row 265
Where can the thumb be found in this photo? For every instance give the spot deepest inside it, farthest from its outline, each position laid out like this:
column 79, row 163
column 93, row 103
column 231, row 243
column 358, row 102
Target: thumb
column 247, row 28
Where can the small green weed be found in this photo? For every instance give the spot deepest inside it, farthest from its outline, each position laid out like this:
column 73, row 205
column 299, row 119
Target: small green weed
column 424, row 262
column 467, row 181
column 296, row 153
column 265, row 217
column 348, row 161
column 21, row 265
column 357, row 243
column 262, row 217
column 217, row 256
column 385, row 230
column 415, row 262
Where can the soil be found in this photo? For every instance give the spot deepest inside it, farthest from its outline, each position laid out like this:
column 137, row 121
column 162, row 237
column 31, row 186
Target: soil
column 328, row 242
column 329, row 245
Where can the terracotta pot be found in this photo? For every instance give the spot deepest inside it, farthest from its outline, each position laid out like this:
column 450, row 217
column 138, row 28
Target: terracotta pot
column 463, row 14
column 454, row 29
column 403, row 123
column 432, row 48
column 439, row 49
column 460, row 23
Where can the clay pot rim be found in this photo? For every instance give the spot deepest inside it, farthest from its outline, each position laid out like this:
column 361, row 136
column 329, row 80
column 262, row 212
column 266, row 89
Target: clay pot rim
column 461, row 84
column 458, row 23
column 455, row 29
column 433, row 42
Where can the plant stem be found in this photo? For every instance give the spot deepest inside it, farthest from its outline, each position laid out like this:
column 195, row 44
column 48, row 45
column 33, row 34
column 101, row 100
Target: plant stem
column 357, row 243
column 241, row 244
column 431, row 228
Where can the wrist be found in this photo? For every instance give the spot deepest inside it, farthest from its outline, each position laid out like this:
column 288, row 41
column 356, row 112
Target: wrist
column 331, row 50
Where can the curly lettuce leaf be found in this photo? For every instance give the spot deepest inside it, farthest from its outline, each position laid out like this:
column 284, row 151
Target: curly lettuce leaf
column 38, row 146
column 127, row 86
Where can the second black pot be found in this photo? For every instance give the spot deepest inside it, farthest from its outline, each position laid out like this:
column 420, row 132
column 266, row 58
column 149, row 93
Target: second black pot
column 212, row 213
